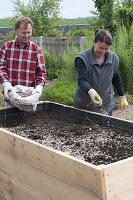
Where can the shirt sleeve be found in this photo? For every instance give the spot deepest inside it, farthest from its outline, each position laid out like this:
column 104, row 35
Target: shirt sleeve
column 3, row 64
column 41, row 74
column 82, row 75
column 117, row 82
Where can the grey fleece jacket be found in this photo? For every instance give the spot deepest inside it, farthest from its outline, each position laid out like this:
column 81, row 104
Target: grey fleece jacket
column 99, row 77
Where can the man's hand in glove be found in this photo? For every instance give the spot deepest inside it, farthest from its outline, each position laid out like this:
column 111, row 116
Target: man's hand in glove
column 38, row 90
column 7, row 87
column 122, row 102
column 96, row 99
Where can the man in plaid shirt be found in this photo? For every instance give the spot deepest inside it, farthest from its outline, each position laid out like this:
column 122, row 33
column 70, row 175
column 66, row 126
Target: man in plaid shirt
column 22, row 61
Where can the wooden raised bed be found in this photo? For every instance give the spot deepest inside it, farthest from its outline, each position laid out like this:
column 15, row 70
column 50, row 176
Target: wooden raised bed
column 31, row 171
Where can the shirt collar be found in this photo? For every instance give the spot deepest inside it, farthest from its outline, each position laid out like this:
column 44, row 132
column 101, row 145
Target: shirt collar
column 17, row 43
column 108, row 57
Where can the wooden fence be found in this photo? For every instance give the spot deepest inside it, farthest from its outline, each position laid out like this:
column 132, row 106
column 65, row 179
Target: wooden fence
column 57, row 45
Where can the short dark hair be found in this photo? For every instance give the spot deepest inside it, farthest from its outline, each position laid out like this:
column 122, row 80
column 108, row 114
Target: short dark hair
column 103, row 36
column 23, row 20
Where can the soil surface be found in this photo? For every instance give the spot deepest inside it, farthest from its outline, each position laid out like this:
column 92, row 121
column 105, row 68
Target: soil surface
column 83, row 139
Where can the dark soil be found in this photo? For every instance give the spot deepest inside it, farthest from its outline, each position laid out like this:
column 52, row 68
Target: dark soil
column 83, row 139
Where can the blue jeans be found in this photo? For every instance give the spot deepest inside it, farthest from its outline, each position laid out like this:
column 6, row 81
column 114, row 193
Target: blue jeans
column 110, row 113
column 7, row 103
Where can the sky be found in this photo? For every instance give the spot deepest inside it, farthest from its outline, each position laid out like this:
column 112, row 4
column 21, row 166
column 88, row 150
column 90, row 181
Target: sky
column 69, row 8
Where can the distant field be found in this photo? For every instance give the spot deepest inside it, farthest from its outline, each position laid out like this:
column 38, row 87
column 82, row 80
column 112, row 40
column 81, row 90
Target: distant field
column 75, row 21
column 7, row 22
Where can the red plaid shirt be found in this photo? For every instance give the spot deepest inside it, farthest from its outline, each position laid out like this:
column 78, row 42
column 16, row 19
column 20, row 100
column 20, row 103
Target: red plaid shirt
column 22, row 66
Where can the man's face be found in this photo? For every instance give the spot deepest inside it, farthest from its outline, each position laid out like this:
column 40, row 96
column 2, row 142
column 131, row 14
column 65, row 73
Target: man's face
column 100, row 49
column 24, row 33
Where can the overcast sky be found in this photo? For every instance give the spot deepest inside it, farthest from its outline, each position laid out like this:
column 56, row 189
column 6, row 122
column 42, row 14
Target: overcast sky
column 69, row 8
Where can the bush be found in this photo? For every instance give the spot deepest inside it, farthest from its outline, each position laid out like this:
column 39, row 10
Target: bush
column 63, row 86
column 75, row 33
column 123, row 47
column 9, row 36
column 67, row 72
column 52, row 63
column 60, row 91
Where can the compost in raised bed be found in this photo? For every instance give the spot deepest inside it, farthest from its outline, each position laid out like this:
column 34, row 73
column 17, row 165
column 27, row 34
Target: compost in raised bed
column 83, row 139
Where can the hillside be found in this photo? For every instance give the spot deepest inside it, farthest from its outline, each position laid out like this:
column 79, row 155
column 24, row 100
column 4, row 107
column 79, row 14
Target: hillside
column 80, row 20
column 7, row 22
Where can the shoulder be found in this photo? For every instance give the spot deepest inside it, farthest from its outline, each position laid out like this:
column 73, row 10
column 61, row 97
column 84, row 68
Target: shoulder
column 88, row 51
column 84, row 54
column 84, row 57
column 35, row 47
column 114, row 55
column 7, row 44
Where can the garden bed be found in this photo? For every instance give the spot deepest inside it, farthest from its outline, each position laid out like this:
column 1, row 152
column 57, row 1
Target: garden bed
column 33, row 171
column 83, row 139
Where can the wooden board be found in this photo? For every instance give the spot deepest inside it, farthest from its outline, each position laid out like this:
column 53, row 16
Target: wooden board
column 119, row 180
column 25, row 164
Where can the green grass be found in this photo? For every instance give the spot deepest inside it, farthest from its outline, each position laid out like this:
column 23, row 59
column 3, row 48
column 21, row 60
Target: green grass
column 60, row 92
column 7, row 22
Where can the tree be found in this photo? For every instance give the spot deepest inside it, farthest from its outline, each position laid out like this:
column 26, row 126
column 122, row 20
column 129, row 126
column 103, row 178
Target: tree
column 124, row 13
column 112, row 12
column 44, row 14
column 105, row 14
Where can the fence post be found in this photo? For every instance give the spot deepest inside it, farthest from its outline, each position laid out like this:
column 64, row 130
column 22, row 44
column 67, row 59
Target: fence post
column 82, row 43
column 41, row 41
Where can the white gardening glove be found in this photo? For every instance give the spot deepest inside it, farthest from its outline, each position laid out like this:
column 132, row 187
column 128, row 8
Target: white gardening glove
column 123, row 102
column 95, row 98
column 7, row 87
column 38, row 90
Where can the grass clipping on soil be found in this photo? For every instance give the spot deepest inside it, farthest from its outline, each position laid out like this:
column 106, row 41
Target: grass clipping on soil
column 82, row 139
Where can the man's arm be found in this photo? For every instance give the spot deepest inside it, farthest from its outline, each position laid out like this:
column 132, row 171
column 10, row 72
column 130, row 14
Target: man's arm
column 4, row 79
column 41, row 74
column 3, row 64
